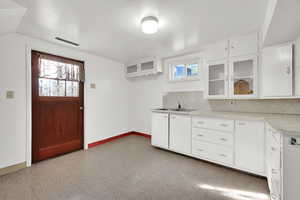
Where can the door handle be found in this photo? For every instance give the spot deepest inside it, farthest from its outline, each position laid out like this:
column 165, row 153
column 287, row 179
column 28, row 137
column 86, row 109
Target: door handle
column 81, row 108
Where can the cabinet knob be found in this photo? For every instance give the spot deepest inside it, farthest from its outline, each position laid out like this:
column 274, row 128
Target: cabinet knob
column 200, row 135
column 223, row 155
column 223, row 139
column 224, row 125
column 200, row 150
column 288, row 70
column 241, row 124
column 274, row 171
column 200, row 122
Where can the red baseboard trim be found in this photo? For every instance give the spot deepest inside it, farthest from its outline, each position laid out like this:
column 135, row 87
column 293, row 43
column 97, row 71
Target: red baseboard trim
column 141, row 134
column 117, row 137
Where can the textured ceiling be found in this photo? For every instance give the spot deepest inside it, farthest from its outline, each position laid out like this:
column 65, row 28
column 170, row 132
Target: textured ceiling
column 112, row 28
column 10, row 16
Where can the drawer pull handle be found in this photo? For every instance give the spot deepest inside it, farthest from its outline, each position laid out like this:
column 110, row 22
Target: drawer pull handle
column 200, row 122
column 224, row 125
column 200, row 150
column 200, row 135
column 242, row 124
column 273, row 196
column 273, row 148
column 274, row 171
column 223, row 139
column 223, row 155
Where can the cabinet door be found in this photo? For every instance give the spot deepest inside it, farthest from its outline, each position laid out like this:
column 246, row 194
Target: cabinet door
column 147, row 66
column 217, row 79
column 216, row 51
column 180, row 133
column 243, row 77
column 250, row 145
column 244, row 45
column 277, row 71
column 160, row 130
column 132, row 70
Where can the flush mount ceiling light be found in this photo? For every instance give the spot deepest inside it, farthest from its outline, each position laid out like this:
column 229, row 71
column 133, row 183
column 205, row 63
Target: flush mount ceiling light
column 149, row 25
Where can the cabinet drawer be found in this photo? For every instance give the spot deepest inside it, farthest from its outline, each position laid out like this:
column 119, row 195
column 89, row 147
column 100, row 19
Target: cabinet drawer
column 215, row 124
column 212, row 136
column 211, row 151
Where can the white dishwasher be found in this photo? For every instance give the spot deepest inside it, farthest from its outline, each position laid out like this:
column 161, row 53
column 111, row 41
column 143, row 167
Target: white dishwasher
column 291, row 168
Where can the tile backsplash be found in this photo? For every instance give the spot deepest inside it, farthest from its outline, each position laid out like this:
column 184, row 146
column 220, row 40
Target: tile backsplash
column 195, row 100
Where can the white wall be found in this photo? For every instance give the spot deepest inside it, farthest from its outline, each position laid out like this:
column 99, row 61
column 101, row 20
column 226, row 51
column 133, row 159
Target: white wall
column 12, row 112
column 106, row 113
column 147, row 93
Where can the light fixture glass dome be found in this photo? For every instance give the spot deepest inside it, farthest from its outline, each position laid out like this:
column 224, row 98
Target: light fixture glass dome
column 149, row 25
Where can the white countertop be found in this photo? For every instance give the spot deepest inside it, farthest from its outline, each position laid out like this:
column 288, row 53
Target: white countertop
column 287, row 124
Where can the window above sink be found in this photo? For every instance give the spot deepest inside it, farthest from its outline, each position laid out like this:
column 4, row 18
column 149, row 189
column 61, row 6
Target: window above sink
column 184, row 69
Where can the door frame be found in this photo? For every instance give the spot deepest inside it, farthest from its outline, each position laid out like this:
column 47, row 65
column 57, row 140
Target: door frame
column 47, row 49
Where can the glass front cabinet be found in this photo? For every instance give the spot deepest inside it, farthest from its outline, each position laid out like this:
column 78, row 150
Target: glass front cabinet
column 235, row 78
column 217, row 84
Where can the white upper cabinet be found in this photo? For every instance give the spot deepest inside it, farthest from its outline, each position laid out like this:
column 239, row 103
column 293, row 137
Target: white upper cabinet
column 180, row 133
column 217, row 51
column 243, row 77
column 250, row 145
column 142, row 68
column 231, row 68
column 132, row 70
column 217, row 75
column 236, row 46
column 277, row 71
column 243, row 45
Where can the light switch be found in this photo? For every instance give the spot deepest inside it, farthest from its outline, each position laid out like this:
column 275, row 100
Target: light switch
column 10, row 94
column 93, row 85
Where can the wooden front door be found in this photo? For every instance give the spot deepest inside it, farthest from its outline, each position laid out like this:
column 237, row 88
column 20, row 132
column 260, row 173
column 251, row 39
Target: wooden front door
column 57, row 106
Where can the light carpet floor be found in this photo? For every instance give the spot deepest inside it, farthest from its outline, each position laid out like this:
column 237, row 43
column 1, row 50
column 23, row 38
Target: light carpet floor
column 130, row 169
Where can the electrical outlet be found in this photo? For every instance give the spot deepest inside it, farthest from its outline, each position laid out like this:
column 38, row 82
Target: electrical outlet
column 10, row 94
column 93, row 85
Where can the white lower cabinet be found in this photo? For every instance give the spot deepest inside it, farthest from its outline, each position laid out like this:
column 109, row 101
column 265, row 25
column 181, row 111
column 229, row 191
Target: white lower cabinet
column 213, row 152
column 250, row 145
column 180, row 133
column 212, row 139
column 160, row 130
column 273, row 154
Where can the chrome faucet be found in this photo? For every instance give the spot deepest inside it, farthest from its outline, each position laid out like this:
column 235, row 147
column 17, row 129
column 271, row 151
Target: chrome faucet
column 178, row 105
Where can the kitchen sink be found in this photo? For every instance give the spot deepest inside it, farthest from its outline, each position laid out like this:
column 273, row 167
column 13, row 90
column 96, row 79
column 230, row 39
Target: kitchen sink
column 175, row 109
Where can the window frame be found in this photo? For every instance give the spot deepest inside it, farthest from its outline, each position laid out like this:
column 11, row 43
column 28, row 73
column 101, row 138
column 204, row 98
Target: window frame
column 171, row 66
column 66, row 61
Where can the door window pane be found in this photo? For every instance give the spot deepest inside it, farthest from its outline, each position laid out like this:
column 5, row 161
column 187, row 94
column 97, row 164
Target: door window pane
column 72, row 89
column 52, row 69
column 58, row 79
column 50, row 87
